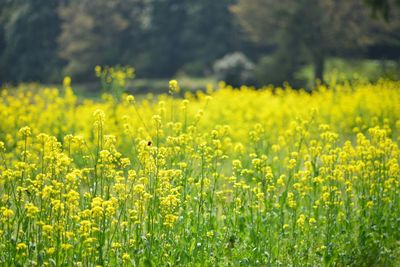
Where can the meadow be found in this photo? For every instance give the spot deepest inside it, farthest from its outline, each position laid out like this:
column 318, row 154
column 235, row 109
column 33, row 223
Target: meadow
column 220, row 177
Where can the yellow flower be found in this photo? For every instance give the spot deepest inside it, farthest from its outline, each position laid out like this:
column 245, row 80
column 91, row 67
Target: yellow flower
column 21, row 246
column 291, row 201
column 174, row 87
column 292, row 164
column 130, row 99
column 99, row 116
column 47, row 228
column 281, row 180
column 8, row 213
column 116, row 245
column 98, row 70
column 67, row 81
column 301, row 220
column 51, row 251
column 126, row 257
column 170, row 220
column 25, row 131
column 210, row 233
column 31, row 210
column 66, row 246
column 370, row 204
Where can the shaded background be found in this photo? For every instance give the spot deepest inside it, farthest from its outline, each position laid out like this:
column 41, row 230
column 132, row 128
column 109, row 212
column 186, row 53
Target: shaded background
column 241, row 41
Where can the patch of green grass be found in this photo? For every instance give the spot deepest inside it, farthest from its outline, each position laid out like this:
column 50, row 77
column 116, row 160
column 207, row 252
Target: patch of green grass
column 353, row 69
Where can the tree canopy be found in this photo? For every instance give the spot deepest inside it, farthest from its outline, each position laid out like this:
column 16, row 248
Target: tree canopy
column 310, row 30
column 41, row 40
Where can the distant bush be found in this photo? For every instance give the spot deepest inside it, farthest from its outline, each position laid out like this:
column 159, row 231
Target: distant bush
column 265, row 73
column 276, row 70
column 236, row 69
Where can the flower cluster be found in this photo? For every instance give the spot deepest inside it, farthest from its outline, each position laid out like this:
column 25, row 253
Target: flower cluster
column 234, row 177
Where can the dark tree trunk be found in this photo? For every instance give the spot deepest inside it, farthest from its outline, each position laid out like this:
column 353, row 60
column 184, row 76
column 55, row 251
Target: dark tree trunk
column 319, row 66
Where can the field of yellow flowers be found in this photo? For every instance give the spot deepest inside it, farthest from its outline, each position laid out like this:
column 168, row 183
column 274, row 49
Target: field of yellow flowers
column 226, row 177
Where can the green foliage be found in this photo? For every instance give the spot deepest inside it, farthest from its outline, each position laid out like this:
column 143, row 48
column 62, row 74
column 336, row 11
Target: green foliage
column 40, row 39
column 312, row 30
column 276, row 70
column 282, row 65
column 100, row 33
column 342, row 71
column 382, row 7
column 210, row 32
column 139, row 33
column 29, row 31
column 187, row 35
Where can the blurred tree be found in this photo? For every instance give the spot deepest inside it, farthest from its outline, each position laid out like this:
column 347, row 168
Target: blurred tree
column 158, row 37
column 382, row 7
column 99, row 32
column 210, row 32
column 3, row 4
column 167, row 21
column 161, row 37
column 314, row 28
column 30, row 29
column 188, row 32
